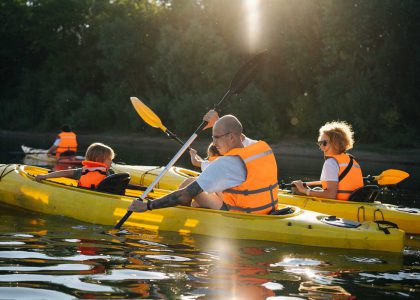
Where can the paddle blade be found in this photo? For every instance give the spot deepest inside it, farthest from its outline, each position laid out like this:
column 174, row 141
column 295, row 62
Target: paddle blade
column 247, row 72
column 391, row 176
column 147, row 114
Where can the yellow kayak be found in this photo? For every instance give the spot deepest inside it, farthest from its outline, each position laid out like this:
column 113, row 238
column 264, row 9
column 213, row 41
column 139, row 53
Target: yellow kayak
column 145, row 175
column 40, row 156
column 60, row 196
column 407, row 219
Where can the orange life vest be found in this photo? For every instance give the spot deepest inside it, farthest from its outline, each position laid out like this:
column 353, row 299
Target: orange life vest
column 213, row 158
column 258, row 193
column 92, row 174
column 351, row 181
column 68, row 142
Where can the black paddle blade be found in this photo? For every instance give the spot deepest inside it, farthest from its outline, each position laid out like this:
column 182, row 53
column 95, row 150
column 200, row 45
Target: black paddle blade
column 247, row 72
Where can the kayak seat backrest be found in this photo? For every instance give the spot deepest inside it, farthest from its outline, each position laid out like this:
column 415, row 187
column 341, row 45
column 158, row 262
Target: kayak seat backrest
column 114, row 184
column 367, row 193
column 284, row 211
column 68, row 153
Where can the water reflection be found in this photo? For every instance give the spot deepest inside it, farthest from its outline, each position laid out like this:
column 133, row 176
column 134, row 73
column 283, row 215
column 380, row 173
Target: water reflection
column 88, row 261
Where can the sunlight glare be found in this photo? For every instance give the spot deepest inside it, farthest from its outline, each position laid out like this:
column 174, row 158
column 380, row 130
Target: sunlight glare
column 253, row 23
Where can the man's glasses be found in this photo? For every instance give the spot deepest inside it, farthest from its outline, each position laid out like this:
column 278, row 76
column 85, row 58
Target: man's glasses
column 216, row 137
column 322, row 143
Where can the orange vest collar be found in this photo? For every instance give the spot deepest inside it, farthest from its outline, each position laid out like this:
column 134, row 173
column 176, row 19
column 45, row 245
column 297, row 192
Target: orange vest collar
column 93, row 164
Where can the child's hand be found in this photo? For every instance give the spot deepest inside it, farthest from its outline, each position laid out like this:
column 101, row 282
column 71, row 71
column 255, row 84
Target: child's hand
column 40, row 177
column 193, row 152
column 194, row 158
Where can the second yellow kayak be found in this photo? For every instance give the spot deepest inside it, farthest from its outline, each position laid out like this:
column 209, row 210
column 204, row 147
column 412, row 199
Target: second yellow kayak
column 407, row 219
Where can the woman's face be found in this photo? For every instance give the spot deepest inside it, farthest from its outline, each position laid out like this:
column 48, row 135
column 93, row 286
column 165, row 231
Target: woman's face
column 326, row 146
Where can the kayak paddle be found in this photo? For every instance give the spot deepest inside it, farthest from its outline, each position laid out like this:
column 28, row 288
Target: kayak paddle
column 151, row 118
column 242, row 78
column 387, row 177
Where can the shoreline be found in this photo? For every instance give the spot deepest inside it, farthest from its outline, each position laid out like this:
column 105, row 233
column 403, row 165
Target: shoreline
column 286, row 147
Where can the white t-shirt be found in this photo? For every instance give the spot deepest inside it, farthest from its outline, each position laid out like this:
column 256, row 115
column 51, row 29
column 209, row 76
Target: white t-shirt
column 224, row 173
column 205, row 164
column 330, row 170
column 57, row 141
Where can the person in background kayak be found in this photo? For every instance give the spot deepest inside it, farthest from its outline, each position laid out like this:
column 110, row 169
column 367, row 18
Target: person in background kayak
column 247, row 176
column 65, row 143
column 341, row 174
column 199, row 162
column 95, row 168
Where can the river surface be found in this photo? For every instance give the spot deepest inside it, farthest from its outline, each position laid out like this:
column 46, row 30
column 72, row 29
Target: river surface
column 53, row 257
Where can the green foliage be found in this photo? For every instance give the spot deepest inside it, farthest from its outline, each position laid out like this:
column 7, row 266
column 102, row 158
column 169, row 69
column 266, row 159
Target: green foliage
column 79, row 61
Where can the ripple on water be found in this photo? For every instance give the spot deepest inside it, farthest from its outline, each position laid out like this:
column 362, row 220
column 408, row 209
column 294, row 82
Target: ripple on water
column 32, row 255
column 400, row 276
column 60, row 267
column 365, row 260
column 12, row 243
column 130, row 275
column 297, row 262
column 168, row 257
column 31, row 294
column 73, row 281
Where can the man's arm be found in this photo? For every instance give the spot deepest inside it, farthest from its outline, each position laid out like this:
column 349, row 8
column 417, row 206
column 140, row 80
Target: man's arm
column 179, row 197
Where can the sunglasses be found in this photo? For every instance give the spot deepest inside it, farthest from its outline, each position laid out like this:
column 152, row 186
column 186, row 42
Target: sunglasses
column 216, row 137
column 322, row 143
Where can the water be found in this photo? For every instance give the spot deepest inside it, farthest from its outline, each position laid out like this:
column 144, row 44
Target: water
column 51, row 257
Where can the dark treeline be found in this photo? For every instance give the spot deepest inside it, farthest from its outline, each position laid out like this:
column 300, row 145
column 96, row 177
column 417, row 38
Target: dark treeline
column 79, row 61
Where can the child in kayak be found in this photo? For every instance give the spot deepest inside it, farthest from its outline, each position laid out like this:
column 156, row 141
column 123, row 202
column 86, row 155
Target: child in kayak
column 197, row 161
column 95, row 168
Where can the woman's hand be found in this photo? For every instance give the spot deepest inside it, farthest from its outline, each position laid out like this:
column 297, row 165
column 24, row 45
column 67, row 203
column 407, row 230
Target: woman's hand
column 300, row 186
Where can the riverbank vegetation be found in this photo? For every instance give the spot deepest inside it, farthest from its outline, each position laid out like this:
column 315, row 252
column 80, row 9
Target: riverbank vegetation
column 79, row 61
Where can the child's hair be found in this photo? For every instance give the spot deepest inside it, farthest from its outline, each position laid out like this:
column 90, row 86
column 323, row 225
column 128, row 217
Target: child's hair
column 99, row 152
column 212, row 151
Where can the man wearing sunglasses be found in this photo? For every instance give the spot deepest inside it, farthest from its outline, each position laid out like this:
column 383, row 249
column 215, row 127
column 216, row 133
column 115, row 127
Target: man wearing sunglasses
column 243, row 179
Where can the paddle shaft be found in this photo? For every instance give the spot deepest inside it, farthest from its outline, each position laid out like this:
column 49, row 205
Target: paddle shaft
column 368, row 178
column 152, row 185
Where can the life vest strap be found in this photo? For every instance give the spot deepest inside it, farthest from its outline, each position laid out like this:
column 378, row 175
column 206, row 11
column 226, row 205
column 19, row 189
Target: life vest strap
column 346, row 170
column 344, row 192
column 259, row 155
column 252, row 209
column 250, row 192
column 99, row 169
